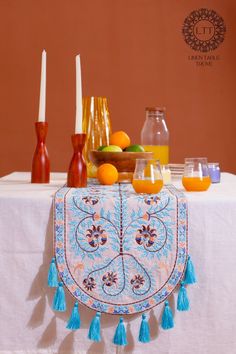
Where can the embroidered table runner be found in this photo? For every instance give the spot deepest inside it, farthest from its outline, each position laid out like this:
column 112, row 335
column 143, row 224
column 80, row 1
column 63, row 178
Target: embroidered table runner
column 117, row 251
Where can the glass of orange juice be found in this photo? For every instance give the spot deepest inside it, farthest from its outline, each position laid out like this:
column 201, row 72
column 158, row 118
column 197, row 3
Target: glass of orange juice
column 196, row 174
column 147, row 176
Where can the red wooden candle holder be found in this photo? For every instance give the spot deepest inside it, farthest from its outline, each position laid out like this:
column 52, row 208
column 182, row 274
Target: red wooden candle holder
column 77, row 174
column 41, row 165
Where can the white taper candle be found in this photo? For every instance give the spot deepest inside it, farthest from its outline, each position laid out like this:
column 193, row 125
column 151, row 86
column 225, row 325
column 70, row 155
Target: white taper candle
column 42, row 98
column 79, row 106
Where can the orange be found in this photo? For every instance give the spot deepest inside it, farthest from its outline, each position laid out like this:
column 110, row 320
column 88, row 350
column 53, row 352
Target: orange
column 107, row 174
column 120, row 139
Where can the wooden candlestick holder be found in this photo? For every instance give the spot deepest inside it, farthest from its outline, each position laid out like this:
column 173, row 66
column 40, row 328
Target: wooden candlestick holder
column 41, row 164
column 77, row 174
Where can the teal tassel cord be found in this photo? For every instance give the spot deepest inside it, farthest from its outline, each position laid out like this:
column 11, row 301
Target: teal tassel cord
column 183, row 301
column 52, row 274
column 59, row 300
column 120, row 334
column 144, row 332
column 190, row 277
column 95, row 328
column 167, row 320
column 74, row 320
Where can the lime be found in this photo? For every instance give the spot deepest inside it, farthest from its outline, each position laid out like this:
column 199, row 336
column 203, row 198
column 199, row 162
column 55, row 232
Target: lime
column 112, row 148
column 101, row 148
column 135, row 148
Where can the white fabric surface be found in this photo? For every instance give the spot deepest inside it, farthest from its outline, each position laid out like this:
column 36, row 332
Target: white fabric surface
column 29, row 325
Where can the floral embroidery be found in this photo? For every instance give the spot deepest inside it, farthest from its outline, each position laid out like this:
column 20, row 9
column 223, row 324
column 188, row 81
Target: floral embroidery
column 89, row 283
column 146, row 233
column 96, row 235
column 90, row 200
column 60, row 244
column 151, row 200
column 146, row 216
column 96, row 217
column 137, row 281
column 117, row 277
column 109, row 278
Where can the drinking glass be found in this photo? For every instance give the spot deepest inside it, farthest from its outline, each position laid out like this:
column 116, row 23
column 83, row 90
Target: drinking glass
column 147, row 176
column 196, row 174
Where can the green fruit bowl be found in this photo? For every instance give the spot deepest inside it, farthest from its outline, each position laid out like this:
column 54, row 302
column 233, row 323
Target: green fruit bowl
column 123, row 161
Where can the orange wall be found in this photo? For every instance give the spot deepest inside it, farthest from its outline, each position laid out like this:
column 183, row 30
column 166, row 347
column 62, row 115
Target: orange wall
column 133, row 52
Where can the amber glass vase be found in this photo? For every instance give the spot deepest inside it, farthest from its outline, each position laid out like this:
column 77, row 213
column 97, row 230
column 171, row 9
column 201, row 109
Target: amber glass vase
column 97, row 126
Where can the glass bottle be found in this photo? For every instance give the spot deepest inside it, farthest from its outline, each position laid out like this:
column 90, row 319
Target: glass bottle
column 97, row 126
column 155, row 134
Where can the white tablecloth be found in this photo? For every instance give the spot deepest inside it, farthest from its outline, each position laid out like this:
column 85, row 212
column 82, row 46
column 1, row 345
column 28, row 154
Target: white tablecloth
column 29, row 325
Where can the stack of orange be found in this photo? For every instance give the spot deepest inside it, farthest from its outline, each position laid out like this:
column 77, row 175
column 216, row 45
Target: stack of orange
column 120, row 139
column 107, row 173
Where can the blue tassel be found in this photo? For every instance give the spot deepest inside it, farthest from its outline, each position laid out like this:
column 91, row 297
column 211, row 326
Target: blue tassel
column 183, row 301
column 52, row 274
column 95, row 328
column 59, row 301
column 74, row 320
column 190, row 277
column 167, row 320
column 120, row 334
column 144, row 332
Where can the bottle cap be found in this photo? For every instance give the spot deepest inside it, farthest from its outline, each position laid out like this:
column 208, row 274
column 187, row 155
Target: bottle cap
column 155, row 109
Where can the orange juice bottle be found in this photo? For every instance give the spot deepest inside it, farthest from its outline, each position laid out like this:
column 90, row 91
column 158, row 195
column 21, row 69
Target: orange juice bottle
column 155, row 134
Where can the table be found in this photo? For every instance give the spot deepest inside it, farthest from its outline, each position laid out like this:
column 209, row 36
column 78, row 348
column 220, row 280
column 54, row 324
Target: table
column 29, row 325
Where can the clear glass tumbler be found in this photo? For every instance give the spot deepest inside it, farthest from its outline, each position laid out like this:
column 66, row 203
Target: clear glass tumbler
column 147, row 176
column 196, row 174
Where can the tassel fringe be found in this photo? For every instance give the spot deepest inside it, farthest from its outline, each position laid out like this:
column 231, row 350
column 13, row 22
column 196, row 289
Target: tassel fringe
column 120, row 334
column 74, row 321
column 190, row 277
column 59, row 301
column 95, row 328
column 183, row 301
column 52, row 275
column 167, row 320
column 144, row 332
column 120, row 337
